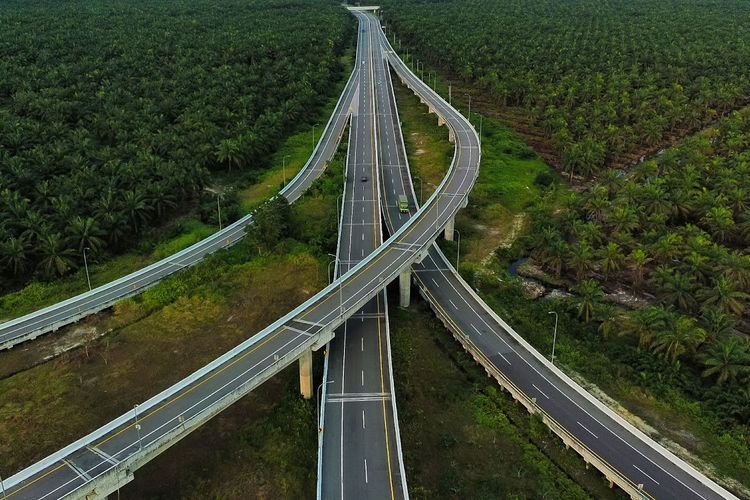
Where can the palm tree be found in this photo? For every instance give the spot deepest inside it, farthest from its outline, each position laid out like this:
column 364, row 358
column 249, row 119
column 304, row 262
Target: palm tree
column 678, row 289
column 718, row 323
column 728, row 361
column 725, row 296
column 581, row 259
column 644, row 323
column 612, row 259
column 135, row 208
column 228, row 152
column 56, row 258
column 681, row 336
column 85, row 233
column 588, row 294
column 14, row 255
column 638, row 260
column 737, row 268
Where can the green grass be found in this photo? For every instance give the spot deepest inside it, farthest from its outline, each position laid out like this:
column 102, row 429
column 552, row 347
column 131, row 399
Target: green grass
column 171, row 330
column 175, row 236
column 464, row 438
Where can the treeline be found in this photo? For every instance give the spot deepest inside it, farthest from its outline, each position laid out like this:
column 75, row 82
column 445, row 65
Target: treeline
column 676, row 228
column 114, row 114
column 600, row 79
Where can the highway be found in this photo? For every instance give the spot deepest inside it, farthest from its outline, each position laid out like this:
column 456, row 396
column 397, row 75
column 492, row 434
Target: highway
column 102, row 461
column 649, row 470
column 360, row 452
column 51, row 318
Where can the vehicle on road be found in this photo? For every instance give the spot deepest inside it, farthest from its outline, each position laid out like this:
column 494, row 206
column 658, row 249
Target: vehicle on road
column 364, row 178
column 403, row 204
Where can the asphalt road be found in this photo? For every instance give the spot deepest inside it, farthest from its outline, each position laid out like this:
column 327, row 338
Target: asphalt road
column 617, row 444
column 51, row 318
column 360, row 450
column 127, row 442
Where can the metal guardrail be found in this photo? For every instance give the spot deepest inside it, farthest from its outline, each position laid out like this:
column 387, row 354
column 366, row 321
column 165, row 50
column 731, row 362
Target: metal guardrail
column 92, row 301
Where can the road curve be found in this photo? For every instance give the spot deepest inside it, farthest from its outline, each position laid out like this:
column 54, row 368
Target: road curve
column 627, row 457
column 99, row 463
column 52, row 317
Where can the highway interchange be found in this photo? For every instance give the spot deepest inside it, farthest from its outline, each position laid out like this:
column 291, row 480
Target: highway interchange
column 360, row 451
column 113, row 452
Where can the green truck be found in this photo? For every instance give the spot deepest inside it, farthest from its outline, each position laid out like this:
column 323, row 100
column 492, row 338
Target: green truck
column 403, row 204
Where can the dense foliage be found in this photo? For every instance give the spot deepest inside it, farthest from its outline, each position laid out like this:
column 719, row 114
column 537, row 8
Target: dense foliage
column 676, row 228
column 113, row 114
column 601, row 79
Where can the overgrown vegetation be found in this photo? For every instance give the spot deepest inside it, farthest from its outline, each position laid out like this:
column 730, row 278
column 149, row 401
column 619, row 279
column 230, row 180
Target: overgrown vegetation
column 174, row 328
column 113, row 115
column 602, row 81
column 462, row 437
column 672, row 398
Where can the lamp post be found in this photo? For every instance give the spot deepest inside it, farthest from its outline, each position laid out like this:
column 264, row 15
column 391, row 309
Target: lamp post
column 317, row 401
column 458, row 248
column 137, row 427
column 218, row 208
column 86, row 265
column 330, row 276
column 338, row 209
column 283, row 162
column 554, row 337
column 341, row 292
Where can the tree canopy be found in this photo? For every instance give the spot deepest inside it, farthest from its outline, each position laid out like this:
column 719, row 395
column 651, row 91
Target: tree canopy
column 113, row 114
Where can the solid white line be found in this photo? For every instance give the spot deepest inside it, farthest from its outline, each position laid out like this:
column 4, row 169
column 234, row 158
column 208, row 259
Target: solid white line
column 651, row 478
column 543, row 394
column 504, row 358
column 586, row 429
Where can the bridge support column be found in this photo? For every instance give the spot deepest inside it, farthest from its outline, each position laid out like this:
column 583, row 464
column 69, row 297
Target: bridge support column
column 449, row 229
column 404, row 281
column 305, row 374
column 441, row 122
column 451, row 138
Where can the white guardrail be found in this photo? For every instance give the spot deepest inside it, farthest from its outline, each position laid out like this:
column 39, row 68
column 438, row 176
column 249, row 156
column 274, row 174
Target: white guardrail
column 249, row 343
column 234, row 231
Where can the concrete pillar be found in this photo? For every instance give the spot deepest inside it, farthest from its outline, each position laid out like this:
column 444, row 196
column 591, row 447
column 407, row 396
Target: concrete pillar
column 449, row 229
column 404, row 281
column 441, row 122
column 305, row 374
column 451, row 139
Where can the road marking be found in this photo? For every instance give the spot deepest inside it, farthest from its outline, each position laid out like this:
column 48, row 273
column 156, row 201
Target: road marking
column 436, row 284
column 641, row 471
column 452, row 303
column 362, row 343
column 543, row 394
column 587, row 430
column 363, row 236
column 474, row 327
column 366, row 470
column 363, row 378
column 504, row 358
column 363, row 419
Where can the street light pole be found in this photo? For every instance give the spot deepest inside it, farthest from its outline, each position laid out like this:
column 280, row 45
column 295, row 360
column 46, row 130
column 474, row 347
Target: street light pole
column 554, row 337
column 218, row 208
column 86, row 265
column 341, row 292
column 458, row 249
column 283, row 164
column 317, row 401
column 137, row 427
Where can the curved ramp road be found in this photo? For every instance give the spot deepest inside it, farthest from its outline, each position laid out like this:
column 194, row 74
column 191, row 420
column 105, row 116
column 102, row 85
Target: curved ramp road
column 71, row 310
column 359, row 452
column 626, row 456
column 99, row 463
